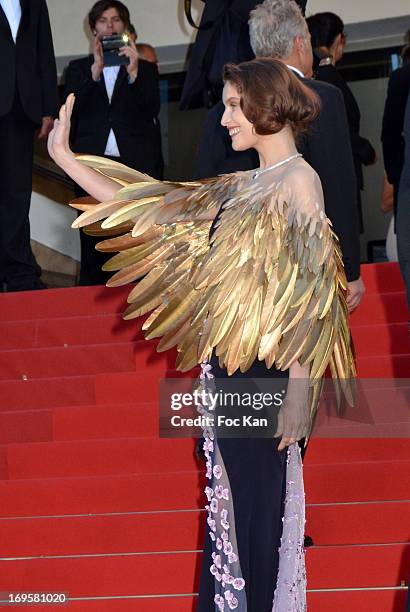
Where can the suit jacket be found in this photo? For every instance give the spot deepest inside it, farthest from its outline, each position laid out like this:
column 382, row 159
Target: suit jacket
column 393, row 120
column 363, row 152
column 132, row 114
column 326, row 148
column 28, row 67
column 203, row 49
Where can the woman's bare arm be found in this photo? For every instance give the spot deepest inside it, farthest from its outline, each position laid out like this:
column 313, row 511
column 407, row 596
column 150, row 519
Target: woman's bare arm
column 293, row 418
column 98, row 186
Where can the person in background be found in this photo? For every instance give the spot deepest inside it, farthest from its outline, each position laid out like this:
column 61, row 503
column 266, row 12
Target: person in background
column 145, row 51
column 386, row 206
column 116, row 112
column 28, row 100
column 393, row 120
column 278, row 29
column 328, row 41
column 403, row 207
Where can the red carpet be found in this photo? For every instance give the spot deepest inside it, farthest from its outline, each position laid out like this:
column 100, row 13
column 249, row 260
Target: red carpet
column 94, row 504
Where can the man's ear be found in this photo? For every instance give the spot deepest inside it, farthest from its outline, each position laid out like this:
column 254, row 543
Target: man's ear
column 299, row 44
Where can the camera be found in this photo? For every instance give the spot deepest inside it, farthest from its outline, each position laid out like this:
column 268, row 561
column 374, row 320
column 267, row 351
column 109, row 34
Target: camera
column 111, row 45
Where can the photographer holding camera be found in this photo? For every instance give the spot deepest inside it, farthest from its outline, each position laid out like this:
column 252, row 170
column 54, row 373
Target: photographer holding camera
column 115, row 114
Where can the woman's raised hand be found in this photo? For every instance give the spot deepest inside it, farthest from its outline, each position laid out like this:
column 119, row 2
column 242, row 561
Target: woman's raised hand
column 58, row 140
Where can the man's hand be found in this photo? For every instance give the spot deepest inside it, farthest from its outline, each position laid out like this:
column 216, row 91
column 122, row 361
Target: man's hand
column 98, row 65
column 131, row 52
column 58, row 140
column 46, row 127
column 355, row 293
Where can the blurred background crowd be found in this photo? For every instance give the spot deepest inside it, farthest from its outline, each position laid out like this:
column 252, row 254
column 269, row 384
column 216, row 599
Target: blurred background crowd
column 154, row 107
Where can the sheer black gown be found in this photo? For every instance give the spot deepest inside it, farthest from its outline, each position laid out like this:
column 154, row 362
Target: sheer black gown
column 257, row 478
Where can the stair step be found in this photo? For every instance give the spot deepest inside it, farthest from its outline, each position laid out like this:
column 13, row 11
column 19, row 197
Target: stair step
column 355, row 566
column 336, row 450
column 79, row 423
column 329, row 525
column 359, row 481
column 41, row 393
column 352, row 567
column 361, row 600
column 183, row 489
column 382, row 277
column 116, row 456
column 82, row 360
column 67, row 302
column 380, row 309
column 350, row 524
column 103, row 388
column 99, row 457
column 70, row 331
column 375, row 340
column 129, row 493
column 121, row 603
column 365, row 600
column 391, row 366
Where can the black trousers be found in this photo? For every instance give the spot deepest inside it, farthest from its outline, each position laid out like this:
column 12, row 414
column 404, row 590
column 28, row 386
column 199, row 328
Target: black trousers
column 91, row 260
column 17, row 262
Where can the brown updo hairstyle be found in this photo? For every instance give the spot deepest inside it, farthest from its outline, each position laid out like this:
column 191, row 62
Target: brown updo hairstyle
column 272, row 96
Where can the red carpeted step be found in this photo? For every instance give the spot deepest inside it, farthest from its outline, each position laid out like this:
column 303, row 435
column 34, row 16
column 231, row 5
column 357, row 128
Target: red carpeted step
column 183, row 490
column 352, row 567
column 382, row 277
column 391, row 366
column 80, row 360
column 125, row 387
column 323, row 450
column 375, row 523
column 381, row 309
column 322, row 601
column 26, row 426
column 141, row 455
column 178, row 603
column 105, row 421
column 57, row 303
column 165, row 531
column 359, row 481
column 357, row 601
column 167, row 573
column 41, row 333
column 99, row 457
column 79, row 423
column 107, row 388
column 337, row 601
column 43, row 393
column 357, row 566
column 337, row 524
column 374, row 340
column 130, row 493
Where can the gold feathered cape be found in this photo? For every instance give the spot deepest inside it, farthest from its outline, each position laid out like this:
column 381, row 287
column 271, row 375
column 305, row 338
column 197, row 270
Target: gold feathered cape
column 268, row 285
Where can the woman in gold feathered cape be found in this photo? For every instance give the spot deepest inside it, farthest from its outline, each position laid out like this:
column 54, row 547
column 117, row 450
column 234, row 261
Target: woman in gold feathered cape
column 262, row 293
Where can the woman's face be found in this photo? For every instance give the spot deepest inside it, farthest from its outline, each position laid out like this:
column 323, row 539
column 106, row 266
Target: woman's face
column 240, row 129
column 109, row 23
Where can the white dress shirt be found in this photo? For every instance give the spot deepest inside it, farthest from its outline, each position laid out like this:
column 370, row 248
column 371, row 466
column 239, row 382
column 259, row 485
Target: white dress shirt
column 110, row 76
column 299, row 72
column 12, row 10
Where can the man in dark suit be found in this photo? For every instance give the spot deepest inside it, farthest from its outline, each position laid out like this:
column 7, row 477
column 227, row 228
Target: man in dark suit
column 393, row 120
column 222, row 37
column 28, row 100
column 115, row 113
column 278, row 29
